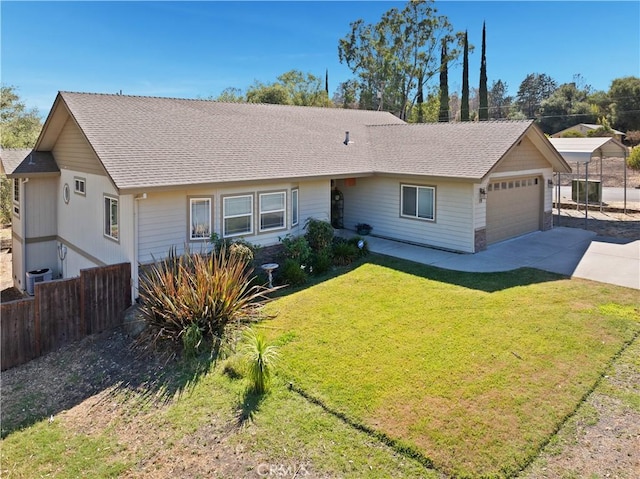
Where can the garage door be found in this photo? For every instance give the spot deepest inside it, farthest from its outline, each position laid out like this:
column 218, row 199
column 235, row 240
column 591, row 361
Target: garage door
column 513, row 207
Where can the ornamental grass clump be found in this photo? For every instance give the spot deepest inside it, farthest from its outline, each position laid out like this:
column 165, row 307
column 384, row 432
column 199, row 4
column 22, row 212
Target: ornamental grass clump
column 191, row 298
column 261, row 358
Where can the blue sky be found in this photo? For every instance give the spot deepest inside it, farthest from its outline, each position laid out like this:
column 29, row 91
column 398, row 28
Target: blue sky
column 196, row 49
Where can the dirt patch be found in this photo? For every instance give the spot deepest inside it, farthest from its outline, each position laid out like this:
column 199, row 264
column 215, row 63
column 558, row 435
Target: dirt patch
column 609, row 224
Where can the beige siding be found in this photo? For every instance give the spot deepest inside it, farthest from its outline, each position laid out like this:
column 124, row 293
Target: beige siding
column 17, row 259
column 40, row 205
column 42, row 255
column 81, row 223
column 163, row 216
column 73, row 152
column 523, row 157
column 376, row 201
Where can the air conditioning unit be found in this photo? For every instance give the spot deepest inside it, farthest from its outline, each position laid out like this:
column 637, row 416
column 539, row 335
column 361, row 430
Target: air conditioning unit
column 37, row 276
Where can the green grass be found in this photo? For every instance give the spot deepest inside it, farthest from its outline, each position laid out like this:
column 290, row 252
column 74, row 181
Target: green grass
column 404, row 364
column 476, row 376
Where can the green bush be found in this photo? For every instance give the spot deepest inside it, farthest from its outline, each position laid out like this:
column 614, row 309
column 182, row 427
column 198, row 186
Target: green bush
column 322, row 261
column 633, row 161
column 292, row 273
column 572, row 134
column 296, row 248
column 240, row 247
column 6, row 192
column 344, row 253
column 319, row 234
column 189, row 298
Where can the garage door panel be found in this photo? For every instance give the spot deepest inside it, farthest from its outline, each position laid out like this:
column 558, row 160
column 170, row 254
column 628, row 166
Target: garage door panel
column 513, row 208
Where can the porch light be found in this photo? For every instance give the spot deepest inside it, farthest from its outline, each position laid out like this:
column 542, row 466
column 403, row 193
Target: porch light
column 483, row 194
column 550, row 183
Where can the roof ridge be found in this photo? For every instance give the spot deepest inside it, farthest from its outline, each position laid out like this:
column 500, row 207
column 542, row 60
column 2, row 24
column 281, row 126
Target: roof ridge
column 433, row 123
column 211, row 100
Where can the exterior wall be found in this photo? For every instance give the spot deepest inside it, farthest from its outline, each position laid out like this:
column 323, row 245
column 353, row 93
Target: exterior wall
column 376, row 201
column 72, row 152
column 81, row 224
column 40, row 205
column 163, row 216
column 523, row 157
column 17, row 262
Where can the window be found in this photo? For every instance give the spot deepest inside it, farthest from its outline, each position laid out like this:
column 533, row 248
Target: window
column 294, row 207
column 272, row 210
column 16, row 196
column 199, row 218
column 418, row 202
column 237, row 212
column 111, row 217
column 80, row 186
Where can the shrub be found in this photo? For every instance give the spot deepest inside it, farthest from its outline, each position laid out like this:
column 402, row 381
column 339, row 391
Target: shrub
column 344, row 253
column 322, row 261
column 633, row 137
column 188, row 298
column 6, row 190
column 572, row 134
column 292, row 273
column 361, row 244
column 240, row 247
column 319, row 234
column 633, row 161
column 261, row 361
column 296, row 248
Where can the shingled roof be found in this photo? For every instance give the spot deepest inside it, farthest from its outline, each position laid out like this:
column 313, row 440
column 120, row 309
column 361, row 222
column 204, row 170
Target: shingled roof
column 454, row 150
column 146, row 142
column 23, row 162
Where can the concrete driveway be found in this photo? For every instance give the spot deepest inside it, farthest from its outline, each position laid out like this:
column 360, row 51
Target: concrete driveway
column 568, row 251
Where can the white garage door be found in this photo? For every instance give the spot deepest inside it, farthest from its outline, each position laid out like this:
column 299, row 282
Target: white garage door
column 513, row 207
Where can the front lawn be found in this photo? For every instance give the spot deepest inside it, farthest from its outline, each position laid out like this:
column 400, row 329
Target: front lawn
column 394, row 367
column 475, row 378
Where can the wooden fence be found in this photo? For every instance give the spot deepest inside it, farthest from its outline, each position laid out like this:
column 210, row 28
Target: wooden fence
column 62, row 311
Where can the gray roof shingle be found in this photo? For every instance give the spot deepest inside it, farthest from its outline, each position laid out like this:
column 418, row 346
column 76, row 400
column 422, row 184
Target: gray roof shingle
column 147, row 141
column 20, row 162
column 455, row 150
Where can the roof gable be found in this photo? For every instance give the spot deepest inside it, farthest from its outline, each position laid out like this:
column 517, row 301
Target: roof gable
column 19, row 163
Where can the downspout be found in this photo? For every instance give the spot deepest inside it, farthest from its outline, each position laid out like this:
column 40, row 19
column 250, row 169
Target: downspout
column 624, row 165
column 601, row 161
column 23, row 229
column 136, row 237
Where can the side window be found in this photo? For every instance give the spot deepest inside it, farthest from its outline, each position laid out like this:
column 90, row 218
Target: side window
column 16, row 197
column 80, row 186
column 199, row 218
column 272, row 210
column 294, row 207
column 237, row 215
column 111, row 217
column 418, row 202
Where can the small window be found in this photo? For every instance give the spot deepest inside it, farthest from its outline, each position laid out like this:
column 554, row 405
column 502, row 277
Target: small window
column 517, row 184
column 237, row 213
column 294, row 207
column 16, row 190
column 111, row 217
column 503, row 185
column 510, row 184
column 199, row 218
column 80, row 186
column 272, row 210
column 490, row 187
column 16, row 197
column 418, row 202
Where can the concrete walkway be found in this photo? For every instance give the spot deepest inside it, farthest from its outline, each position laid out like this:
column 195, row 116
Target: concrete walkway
column 569, row 251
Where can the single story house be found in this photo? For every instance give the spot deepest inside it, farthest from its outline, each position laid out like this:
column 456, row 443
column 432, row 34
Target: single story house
column 585, row 128
column 116, row 178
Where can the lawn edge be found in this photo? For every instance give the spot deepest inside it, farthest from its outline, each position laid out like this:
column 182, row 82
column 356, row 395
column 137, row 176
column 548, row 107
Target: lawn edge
column 610, row 364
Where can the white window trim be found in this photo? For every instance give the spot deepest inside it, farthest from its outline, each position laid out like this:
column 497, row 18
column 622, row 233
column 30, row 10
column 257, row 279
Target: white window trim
column 107, row 214
column 416, row 217
column 225, row 217
column 199, row 238
column 282, row 210
column 295, row 200
column 83, row 181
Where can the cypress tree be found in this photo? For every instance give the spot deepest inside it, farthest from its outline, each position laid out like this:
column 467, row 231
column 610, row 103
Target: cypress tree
column 464, row 107
column 483, row 114
column 444, row 83
column 420, row 100
column 326, row 81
